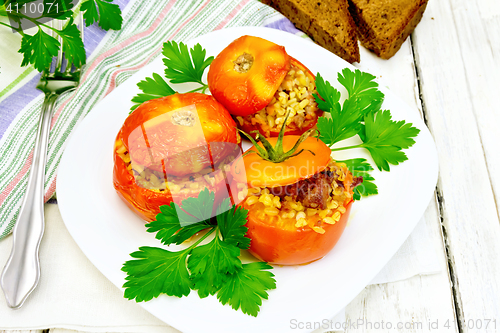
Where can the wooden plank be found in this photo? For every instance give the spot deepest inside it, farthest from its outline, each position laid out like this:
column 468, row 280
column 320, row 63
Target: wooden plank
column 477, row 25
column 419, row 304
column 454, row 51
column 406, row 302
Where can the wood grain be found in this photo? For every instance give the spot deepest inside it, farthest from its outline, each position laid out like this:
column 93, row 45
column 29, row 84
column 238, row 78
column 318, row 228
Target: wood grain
column 456, row 68
column 477, row 25
column 417, row 302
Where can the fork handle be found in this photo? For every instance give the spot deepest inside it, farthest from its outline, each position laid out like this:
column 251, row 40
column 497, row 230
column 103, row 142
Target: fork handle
column 22, row 271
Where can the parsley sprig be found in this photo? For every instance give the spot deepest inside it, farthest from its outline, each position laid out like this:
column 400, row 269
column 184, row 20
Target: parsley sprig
column 39, row 49
column 182, row 65
column 360, row 114
column 153, row 88
column 210, row 268
column 104, row 12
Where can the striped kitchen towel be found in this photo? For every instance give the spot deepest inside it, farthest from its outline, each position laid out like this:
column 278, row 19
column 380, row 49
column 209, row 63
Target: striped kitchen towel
column 112, row 57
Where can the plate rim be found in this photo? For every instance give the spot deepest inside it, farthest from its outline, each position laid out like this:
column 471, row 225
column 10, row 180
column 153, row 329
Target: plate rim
column 65, row 163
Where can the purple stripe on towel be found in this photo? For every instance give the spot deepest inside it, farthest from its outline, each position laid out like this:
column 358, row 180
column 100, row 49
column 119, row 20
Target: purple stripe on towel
column 13, row 104
column 283, row 24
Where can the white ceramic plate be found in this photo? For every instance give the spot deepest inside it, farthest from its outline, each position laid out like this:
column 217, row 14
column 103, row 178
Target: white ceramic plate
column 107, row 231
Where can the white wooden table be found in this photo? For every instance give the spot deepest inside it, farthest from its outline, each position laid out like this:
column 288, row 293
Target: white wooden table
column 452, row 78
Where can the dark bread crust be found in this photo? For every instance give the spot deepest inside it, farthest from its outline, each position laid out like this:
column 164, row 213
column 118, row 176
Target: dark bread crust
column 327, row 22
column 383, row 25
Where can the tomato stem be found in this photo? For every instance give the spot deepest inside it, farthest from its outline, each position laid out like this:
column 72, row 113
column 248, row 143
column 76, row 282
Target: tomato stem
column 276, row 154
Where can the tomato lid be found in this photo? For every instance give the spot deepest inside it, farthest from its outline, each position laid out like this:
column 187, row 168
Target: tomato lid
column 314, row 158
column 246, row 74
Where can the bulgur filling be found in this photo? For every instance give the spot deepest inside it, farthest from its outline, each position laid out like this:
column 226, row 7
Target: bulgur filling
column 288, row 212
column 157, row 181
column 295, row 95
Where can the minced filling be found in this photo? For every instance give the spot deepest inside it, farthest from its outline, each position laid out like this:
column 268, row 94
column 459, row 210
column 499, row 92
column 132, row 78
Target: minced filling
column 306, row 204
column 157, row 181
column 320, row 199
column 294, row 96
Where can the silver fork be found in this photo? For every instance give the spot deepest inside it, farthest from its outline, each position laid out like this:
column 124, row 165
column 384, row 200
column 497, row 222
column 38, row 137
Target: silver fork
column 22, row 271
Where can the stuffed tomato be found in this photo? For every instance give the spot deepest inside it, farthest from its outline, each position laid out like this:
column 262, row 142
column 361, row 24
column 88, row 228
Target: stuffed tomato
column 170, row 149
column 299, row 207
column 259, row 84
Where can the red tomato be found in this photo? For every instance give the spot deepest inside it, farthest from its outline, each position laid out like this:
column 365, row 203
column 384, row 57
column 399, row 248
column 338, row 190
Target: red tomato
column 262, row 173
column 250, row 124
column 175, row 133
column 247, row 73
column 146, row 202
column 169, row 141
column 293, row 186
column 283, row 244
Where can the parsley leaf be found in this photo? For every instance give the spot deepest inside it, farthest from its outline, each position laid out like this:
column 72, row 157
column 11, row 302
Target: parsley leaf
column 106, row 13
column 362, row 87
column 165, row 225
column 330, row 96
column 211, row 263
column 153, row 88
column 211, row 268
column 232, row 227
column 173, row 225
column 39, row 49
column 91, row 15
column 168, row 227
column 183, row 65
column 247, row 287
column 342, row 125
column 73, row 48
column 156, row 271
column 360, row 167
column 361, row 115
column 345, row 121
column 385, row 138
column 197, row 209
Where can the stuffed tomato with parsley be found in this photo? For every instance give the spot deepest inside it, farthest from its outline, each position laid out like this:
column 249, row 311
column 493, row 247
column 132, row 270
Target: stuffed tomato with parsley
column 172, row 148
column 298, row 200
column 259, row 84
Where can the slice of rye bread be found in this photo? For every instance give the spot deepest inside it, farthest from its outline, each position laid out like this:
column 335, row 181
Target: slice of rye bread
column 327, row 22
column 383, row 25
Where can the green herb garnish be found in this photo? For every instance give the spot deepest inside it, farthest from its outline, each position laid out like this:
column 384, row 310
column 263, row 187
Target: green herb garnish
column 181, row 66
column 153, row 88
column 39, row 49
column 361, row 114
column 385, row 138
column 104, row 12
column 210, row 268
